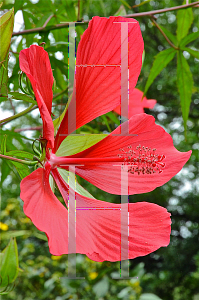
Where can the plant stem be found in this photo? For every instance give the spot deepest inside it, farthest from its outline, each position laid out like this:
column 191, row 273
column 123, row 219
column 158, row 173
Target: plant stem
column 136, row 15
column 5, row 121
column 25, row 162
column 165, row 36
column 78, row 14
column 62, row 92
column 28, row 128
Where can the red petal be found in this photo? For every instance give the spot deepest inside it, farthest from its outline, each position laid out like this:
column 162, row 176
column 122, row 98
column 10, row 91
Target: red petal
column 137, row 104
column 98, row 89
column 45, row 210
column 34, row 62
column 98, row 227
column 146, row 134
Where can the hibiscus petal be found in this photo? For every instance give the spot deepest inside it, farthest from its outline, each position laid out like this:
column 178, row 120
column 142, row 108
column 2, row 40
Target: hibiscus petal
column 45, row 210
column 137, row 104
column 34, row 62
column 98, row 88
column 149, row 150
column 98, row 227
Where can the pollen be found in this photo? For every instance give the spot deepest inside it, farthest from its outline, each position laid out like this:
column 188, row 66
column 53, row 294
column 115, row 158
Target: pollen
column 142, row 160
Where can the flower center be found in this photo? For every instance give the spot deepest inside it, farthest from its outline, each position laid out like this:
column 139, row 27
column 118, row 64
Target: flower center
column 142, row 160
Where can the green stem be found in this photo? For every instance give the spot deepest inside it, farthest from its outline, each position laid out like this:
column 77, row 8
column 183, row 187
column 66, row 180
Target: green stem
column 4, row 121
column 62, row 92
column 25, row 162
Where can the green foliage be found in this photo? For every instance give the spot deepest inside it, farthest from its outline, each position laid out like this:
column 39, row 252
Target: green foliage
column 9, row 266
column 185, row 85
column 184, row 21
column 170, row 273
column 6, row 28
column 189, row 38
column 4, row 80
column 74, row 185
column 161, row 61
column 24, row 97
column 74, row 144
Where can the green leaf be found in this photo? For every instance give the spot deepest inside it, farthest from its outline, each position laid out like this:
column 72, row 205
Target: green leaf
column 18, row 5
column 185, row 85
column 24, row 233
column 184, row 21
column 113, row 117
column 172, row 37
column 125, row 3
column 70, row 9
column 149, row 296
column 56, row 63
column 22, row 169
column 15, row 233
column 73, row 144
column 194, row 53
column 3, row 145
column 101, row 288
column 60, row 81
column 28, row 25
column 9, row 264
column 74, row 184
column 2, row 99
column 58, row 121
column 59, row 46
column 121, row 11
column 4, row 78
column 20, row 154
column 104, row 118
column 142, row 3
column 24, row 97
column 6, row 170
column 161, row 61
column 6, row 29
column 189, row 38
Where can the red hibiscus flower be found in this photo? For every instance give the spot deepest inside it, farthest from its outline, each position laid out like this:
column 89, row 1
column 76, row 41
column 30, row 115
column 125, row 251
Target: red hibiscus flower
column 137, row 104
column 146, row 152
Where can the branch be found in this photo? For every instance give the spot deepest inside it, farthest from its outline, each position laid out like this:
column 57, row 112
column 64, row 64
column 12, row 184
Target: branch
column 5, row 121
column 63, row 25
column 49, row 18
column 78, row 14
column 25, row 162
column 28, row 128
column 160, row 11
column 165, row 36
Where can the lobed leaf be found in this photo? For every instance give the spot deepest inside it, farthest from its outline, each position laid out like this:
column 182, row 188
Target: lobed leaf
column 189, row 38
column 24, row 97
column 121, row 11
column 21, row 154
column 9, row 263
column 6, row 28
column 184, row 21
column 4, row 79
column 74, row 185
column 161, row 61
column 185, row 85
column 169, row 35
column 73, row 144
column 22, row 169
column 194, row 53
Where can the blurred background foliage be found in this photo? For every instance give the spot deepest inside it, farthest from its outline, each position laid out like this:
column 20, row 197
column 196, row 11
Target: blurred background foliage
column 171, row 273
